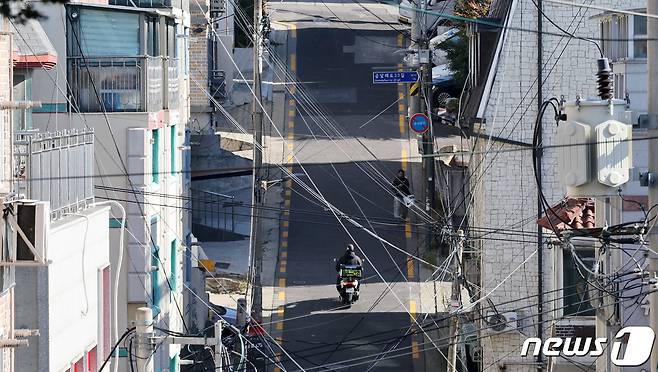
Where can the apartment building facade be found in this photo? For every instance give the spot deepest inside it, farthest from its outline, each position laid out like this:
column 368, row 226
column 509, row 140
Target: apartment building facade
column 506, row 84
column 123, row 72
column 66, row 294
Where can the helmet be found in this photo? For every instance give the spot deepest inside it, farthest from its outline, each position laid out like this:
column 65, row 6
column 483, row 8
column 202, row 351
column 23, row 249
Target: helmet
column 350, row 247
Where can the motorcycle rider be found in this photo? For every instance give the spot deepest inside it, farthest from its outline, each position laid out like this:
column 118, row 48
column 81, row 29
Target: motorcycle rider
column 348, row 258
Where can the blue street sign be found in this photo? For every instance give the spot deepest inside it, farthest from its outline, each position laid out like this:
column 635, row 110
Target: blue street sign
column 389, row 77
column 419, row 123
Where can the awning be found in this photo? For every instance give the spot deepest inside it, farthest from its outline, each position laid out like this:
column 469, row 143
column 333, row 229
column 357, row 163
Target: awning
column 32, row 48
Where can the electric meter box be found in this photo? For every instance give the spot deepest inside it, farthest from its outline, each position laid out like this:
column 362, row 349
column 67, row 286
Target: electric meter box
column 595, row 147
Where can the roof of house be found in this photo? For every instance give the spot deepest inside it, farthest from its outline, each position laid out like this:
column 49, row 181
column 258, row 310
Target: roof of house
column 32, row 48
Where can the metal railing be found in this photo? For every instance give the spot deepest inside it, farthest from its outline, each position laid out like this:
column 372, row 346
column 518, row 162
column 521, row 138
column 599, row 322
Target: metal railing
column 172, row 92
column 56, row 167
column 211, row 209
column 122, row 84
column 149, row 3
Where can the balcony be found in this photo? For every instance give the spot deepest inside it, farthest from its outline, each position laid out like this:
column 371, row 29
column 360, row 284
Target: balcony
column 55, row 167
column 173, row 92
column 123, row 84
column 149, row 3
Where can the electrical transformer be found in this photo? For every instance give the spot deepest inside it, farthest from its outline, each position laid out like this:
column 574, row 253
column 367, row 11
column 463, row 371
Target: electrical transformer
column 594, row 147
column 594, row 141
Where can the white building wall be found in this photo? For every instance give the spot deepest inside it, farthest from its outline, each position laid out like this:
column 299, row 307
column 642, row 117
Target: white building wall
column 126, row 142
column 79, row 249
column 509, row 192
column 62, row 299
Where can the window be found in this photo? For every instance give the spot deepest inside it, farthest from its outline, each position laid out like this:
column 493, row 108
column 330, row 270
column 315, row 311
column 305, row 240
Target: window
column 624, row 37
column 639, row 37
column 153, row 36
column 155, row 157
column 172, row 150
column 22, row 92
column 172, row 51
column 620, row 85
column 173, row 258
column 575, row 287
column 614, row 32
column 78, row 366
column 155, row 265
column 174, row 364
column 92, row 361
column 107, row 33
column 106, row 321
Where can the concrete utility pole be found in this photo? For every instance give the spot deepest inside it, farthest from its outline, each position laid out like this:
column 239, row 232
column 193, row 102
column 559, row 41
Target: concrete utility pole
column 144, row 330
column 257, row 123
column 455, row 302
column 652, row 62
column 146, row 341
column 420, row 44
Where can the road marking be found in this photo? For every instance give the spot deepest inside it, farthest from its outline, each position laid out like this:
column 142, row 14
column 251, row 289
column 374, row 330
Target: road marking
column 284, row 244
column 285, row 234
column 414, row 349
column 410, row 269
column 290, row 146
column 403, row 158
column 412, row 310
column 282, row 268
column 279, row 326
column 402, row 123
column 282, row 295
column 293, row 63
column 282, row 282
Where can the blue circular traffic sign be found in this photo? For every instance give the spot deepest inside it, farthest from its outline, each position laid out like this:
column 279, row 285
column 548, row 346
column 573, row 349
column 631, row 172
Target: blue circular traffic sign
column 419, row 123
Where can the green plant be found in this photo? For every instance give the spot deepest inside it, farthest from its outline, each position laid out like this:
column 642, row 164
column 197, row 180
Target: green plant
column 457, row 48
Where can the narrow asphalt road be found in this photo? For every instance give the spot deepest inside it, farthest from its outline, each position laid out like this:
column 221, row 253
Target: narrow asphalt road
column 333, row 49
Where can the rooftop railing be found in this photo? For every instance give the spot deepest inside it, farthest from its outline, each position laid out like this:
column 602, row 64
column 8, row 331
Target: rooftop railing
column 56, row 167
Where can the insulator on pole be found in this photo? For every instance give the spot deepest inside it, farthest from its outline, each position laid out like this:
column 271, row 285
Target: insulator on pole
column 604, row 79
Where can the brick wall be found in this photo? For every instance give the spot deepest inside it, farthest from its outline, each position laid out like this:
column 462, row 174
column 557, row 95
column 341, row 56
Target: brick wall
column 507, row 193
column 198, row 56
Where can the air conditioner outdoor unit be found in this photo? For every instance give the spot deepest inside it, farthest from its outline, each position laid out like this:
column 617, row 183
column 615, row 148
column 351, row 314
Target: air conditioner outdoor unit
column 30, row 223
column 501, row 322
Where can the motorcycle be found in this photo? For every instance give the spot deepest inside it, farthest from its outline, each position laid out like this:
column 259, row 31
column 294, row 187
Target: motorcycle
column 348, row 287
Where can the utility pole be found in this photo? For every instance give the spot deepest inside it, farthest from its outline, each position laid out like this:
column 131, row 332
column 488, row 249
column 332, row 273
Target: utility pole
column 146, row 341
column 420, row 45
column 455, row 302
column 652, row 54
column 256, row 248
column 144, row 330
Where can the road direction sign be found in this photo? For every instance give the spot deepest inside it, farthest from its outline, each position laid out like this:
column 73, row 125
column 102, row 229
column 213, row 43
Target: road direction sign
column 391, row 77
column 419, row 123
